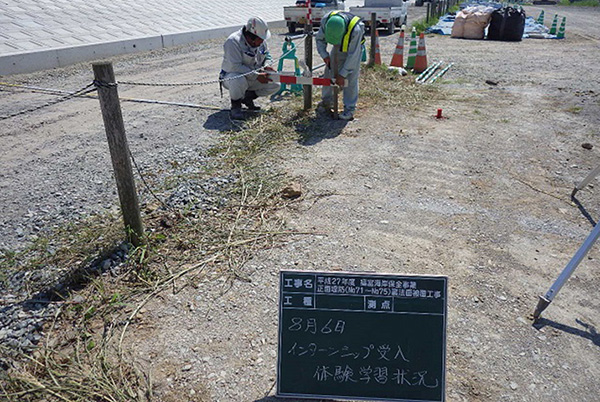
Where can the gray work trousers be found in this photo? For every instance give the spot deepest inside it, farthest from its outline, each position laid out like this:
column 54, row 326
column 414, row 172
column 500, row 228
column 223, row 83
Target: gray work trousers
column 350, row 93
column 238, row 86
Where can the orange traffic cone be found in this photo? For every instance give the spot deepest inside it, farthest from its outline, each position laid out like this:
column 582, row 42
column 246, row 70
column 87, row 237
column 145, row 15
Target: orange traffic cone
column 398, row 57
column 377, row 53
column 421, row 59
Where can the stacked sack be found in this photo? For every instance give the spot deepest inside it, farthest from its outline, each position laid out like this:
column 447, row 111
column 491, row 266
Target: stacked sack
column 470, row 23
column 507, row 24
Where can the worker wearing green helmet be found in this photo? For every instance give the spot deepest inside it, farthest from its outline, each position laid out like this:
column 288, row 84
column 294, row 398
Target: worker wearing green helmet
column 347, row 31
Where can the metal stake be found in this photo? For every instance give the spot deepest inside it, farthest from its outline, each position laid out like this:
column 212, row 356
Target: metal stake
column 334, row 72
column 567, row 272
column 308, row 59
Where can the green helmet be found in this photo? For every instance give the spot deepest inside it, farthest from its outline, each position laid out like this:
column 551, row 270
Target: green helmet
column 335, row 29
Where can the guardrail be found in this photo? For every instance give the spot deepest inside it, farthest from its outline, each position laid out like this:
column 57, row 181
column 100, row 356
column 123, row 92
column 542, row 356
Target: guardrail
column 437, row 8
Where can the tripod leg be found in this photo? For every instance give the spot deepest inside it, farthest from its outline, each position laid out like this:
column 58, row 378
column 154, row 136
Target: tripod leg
column 586, row 181
column 567, row 272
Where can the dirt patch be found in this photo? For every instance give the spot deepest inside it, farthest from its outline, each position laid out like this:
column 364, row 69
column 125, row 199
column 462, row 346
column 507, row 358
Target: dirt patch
column 482, row 196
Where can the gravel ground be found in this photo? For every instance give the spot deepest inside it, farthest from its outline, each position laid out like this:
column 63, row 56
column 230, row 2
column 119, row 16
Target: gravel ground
column 481, row 196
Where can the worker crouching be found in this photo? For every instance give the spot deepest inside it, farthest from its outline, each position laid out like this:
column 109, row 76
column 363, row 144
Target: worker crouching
column 243, row 68
column 347, row 32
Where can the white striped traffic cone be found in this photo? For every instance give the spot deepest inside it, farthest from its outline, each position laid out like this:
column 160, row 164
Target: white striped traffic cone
column 554, row 22
column 412, row 50
column 398, row 57
column 421, row 59
column 540, row 19
column 561, row 30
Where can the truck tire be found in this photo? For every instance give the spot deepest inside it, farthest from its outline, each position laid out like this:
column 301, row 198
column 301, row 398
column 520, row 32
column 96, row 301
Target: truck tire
column 391, row 27
column 291, row 27
column 419, row 3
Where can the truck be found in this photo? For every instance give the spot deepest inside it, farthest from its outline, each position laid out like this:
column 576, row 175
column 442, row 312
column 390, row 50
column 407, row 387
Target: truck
column 295, row 16
column 390, row 13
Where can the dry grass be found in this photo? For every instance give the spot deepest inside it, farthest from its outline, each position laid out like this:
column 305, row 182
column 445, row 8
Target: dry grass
column 380, row 87
column 82, row 358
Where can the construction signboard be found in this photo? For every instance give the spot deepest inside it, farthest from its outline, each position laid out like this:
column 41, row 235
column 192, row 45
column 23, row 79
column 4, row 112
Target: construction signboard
column 362, row 336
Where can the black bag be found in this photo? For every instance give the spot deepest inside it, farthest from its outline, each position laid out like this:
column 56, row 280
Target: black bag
column 507, row 24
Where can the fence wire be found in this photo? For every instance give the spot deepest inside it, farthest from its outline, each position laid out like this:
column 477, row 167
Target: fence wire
column 93, row 86
column 70, row 95
column 215, row 81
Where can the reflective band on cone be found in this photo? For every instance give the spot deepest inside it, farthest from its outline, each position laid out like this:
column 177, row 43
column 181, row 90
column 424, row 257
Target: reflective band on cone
column 412, row 50
column 421, row 59
column 398, row 57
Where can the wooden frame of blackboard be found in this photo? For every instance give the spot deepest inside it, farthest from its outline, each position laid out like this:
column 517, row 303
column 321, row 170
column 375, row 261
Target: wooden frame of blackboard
column 345, row 335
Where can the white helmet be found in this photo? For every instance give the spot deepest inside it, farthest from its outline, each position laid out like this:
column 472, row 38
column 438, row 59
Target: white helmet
column 258, row 27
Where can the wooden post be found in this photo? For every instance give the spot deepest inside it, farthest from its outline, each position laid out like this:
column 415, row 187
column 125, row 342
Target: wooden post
column 373, row 27
column 119, row 150
column 427, row 15
column 308, row 59
column 334, row 72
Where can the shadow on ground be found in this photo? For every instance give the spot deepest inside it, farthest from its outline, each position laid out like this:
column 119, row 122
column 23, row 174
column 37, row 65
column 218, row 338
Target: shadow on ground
column 583, row 210
column 318, row 128
column 222, row 122
column 588, row 331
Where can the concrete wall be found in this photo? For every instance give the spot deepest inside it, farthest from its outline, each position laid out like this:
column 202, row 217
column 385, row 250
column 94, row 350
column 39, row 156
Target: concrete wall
column 27, row 62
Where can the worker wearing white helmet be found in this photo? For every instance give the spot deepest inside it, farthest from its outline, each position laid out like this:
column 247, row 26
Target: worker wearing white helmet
column 242, row 70
column 347, row 31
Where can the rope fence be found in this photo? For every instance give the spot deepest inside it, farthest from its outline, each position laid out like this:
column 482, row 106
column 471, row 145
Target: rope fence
column 92, row 87
column 105, row 87
column 69, row 95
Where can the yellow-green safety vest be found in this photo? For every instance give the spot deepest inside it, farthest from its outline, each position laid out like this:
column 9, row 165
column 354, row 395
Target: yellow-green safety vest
column 351, row 21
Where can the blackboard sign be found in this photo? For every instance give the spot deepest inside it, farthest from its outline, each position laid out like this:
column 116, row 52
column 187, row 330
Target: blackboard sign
column 362, row 336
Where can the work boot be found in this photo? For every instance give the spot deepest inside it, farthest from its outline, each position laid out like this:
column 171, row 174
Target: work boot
column 248, row 100
column 346, row 115
column 236, row 110
column 324, row 107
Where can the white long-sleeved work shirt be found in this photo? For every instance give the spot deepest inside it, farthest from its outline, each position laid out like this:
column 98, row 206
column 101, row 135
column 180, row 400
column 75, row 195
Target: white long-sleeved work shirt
column 240, row 57
column 353, row 56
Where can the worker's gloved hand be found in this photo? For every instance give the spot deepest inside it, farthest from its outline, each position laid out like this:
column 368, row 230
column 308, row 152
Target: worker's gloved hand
column 263, row 78
column 269, row 68
column 339, row 80
column 327, row 61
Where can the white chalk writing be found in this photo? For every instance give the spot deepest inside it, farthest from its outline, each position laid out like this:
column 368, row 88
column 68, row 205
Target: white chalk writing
column 378, row 374
column 311, row 325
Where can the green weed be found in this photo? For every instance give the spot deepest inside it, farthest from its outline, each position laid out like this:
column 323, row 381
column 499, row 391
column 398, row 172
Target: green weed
column 421, row 25
column 580, row 3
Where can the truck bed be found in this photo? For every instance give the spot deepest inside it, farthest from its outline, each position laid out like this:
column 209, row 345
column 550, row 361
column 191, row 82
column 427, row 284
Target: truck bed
column 387, row 17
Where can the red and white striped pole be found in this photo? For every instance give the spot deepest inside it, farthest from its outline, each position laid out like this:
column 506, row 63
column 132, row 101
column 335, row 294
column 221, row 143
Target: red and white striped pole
column 308, row 52
column 292, row 79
